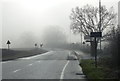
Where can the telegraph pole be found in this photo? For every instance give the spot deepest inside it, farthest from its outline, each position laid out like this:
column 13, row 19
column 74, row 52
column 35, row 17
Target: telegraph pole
column 70, row 40
column 100, row 20
column 81, row 35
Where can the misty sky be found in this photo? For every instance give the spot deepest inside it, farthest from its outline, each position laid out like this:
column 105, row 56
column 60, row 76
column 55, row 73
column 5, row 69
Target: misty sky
column 27, row 21
column 119, row 13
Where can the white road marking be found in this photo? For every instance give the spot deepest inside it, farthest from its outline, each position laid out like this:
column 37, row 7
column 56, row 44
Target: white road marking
column 38, row 61
column 30, row 64
column 22, row 68
column 36, row 56
column 62, row 73
column 6, row 61
column 16, row 70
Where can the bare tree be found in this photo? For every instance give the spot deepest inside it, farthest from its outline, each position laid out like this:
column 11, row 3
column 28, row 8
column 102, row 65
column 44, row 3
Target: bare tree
column 87, row 19
column 92, row 19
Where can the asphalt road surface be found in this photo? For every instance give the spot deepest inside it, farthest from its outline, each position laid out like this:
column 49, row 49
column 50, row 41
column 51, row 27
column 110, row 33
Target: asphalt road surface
column 50, row 65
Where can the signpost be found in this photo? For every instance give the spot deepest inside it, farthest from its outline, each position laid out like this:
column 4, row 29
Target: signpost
column 41, row 44
column 88, row 41
column 35, row 45
column 95, row 35
column 8, row 42
column 83, row 42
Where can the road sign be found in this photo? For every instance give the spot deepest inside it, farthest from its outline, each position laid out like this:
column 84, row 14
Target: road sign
column 41, row 44
column 83, row 42
column 96, row 34
column 88, row 41
column 8, row 42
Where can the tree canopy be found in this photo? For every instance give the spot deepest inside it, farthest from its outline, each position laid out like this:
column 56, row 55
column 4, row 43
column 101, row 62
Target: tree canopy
column 87, row 19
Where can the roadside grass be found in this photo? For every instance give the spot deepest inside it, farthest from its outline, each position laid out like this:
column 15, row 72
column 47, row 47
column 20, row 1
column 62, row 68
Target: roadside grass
column 90, row 71
column 102, row 72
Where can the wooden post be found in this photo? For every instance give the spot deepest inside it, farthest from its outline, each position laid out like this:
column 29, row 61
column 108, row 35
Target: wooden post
column 95, row 52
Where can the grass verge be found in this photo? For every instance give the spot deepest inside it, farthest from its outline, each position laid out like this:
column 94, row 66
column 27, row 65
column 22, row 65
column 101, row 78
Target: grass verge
column 90, row 71
column 15, row 54
column 102, row 72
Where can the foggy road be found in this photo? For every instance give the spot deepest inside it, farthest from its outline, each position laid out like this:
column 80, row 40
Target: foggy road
column 50, row 65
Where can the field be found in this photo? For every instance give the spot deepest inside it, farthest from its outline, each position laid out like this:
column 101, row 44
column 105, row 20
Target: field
column 19, row 53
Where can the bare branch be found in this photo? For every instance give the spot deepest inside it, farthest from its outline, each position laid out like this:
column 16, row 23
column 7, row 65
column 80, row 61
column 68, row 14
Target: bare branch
column 86, row 19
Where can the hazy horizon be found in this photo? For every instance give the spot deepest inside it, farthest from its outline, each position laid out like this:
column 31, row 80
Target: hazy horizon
column 26, row 22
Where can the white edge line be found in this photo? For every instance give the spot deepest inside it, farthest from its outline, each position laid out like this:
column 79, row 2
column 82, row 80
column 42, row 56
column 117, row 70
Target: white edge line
column 62, row 73
column 47, row 53
column 6, row 62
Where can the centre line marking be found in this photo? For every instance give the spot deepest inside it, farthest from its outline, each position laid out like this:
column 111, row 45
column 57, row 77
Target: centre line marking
column 16, row 70
column 30, row 64
column 62, row 73
column 38, row 61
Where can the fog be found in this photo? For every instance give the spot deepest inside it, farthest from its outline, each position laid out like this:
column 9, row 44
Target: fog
column 54, row 36
column 26, row 22
column 119, row 13
column 26, row 40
